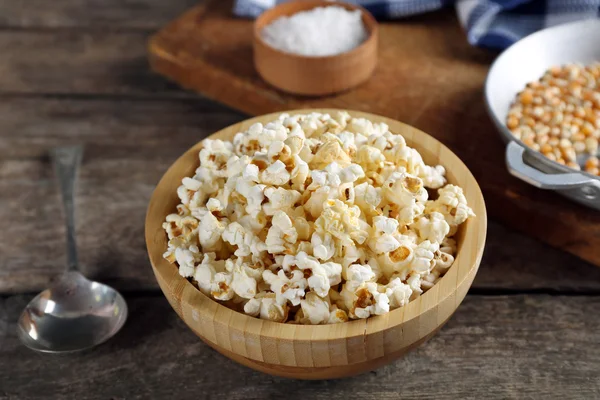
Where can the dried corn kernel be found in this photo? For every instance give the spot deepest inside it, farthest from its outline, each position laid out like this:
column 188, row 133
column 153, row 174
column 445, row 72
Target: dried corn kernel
column 559, row 115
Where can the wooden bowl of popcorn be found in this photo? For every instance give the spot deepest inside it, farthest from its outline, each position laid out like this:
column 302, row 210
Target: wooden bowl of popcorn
column 293, row 245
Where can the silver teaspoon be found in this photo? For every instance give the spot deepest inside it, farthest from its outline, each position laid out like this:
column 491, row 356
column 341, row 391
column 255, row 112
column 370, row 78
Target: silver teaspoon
column 74, row 313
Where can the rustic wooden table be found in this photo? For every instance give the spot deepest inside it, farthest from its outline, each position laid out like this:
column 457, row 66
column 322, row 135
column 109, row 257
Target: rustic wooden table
column 76, row 71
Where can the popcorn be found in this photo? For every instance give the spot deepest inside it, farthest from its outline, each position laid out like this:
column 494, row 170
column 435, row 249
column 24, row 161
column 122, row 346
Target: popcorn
column 250, row 173
column 295, row 142
column 304, row 228
column 351, row 173
column 433, row 177
column 315, row 309
column 336, row 315
column 367, row 198
column 320, row 276
column 305, row 247
column 323, row 245
column 383, row 240
column 451, row 203
column 346, row 193
column 214, row 154
column 327, row 178
column 253, row 306
column 348, row 255
column 386, row 226
column 191, row 184
column 430, row 279
column 254, row 224
column 209, row 232
column 221, row 288
column 398, row 260
column 324, row 276
column 205, row 272
column 288, row 286
column 443, row 260
column 186, row 258
column 423, row 262
column 406, row 196
column 247, row 243
column 366, row 300
column 265, row 306
column 358, row 274
column 410, row 159
column 275, row 174
column 214, row 205
column 253, row 194
column 314, row 219
column 432, row 227
column 375, row 268
column 183, row 211
column 176, row 226
column 316, row 200
column 281, row 233
column 398, row 293
column 370, row 158
column 236, row 165
column 361, row 125
column 331, row 151
column 299, row 173
column 342, row 222
column 244, row 278
column 278, row 151
column 280, row 199
column 414, row 281
column 347, row 140
column 386, row 141
column 448, row 246
column 403, row 188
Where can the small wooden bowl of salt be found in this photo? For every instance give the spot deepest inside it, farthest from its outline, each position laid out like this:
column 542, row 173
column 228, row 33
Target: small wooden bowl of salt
column 314, row 47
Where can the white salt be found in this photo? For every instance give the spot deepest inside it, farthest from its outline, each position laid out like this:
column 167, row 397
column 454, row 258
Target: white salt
column 322, row 31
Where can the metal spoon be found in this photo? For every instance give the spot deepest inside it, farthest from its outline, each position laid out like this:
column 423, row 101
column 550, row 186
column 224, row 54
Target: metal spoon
column 75, row 313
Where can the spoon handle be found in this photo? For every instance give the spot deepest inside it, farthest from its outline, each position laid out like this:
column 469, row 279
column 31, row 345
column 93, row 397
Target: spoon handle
column 66, row 161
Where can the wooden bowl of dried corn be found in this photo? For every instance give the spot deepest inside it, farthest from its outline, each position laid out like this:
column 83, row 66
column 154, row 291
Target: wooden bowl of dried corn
column 320, row 351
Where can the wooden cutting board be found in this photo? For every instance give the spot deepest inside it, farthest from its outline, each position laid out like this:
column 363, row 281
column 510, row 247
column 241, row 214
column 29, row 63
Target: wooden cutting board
column 428, row 76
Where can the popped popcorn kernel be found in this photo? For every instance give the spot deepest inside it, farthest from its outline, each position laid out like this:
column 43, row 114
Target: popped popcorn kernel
column 314, row 219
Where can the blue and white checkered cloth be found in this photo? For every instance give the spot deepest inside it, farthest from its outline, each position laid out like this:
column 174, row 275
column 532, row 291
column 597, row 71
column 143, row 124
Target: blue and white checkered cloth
column 488, row 23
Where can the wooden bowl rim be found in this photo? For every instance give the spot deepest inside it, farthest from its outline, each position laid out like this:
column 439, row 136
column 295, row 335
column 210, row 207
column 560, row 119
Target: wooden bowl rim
column 273, row 13
column 220, row 314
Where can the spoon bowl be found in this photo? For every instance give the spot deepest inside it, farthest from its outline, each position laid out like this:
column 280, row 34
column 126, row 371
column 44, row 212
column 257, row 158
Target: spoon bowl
column 74, row 314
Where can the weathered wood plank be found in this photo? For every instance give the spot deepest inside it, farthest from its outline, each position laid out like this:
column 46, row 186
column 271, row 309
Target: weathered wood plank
column 516, row 262
column 129, row 145
column 73, row 62
column 112, row 14
column 505, row 347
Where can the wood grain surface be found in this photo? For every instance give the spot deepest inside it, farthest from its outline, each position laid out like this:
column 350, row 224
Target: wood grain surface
column 129, row 145
column 495, row 347
column 90, row 14
column 527, row 329
column 88, row 63
column 428, row 76
column 142, row 138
